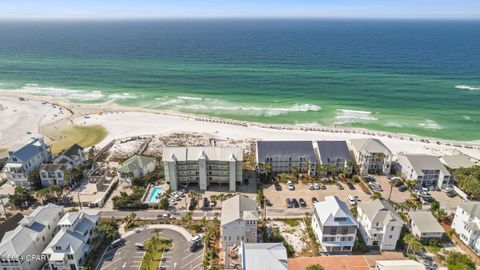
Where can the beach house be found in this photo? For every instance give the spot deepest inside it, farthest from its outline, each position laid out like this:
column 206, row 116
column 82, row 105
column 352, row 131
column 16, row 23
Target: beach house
column 379, row 224
column 203, row 166
column 424, row 225
column 263, row 256
column 334, row 226
column 22, row 247
column 372, row 156
column 136, row 167
column 72, row 157
column 426, row 170
column 26, row 159
column 466, row 224
column 238, row 221
column 286, row 156
column 334, row 156
column 54, row 174
column 69, row 248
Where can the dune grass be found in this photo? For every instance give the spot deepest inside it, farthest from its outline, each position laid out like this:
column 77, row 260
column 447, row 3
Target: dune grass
column 85, row 136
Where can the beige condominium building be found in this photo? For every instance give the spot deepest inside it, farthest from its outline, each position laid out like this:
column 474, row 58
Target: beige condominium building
column 203, row 166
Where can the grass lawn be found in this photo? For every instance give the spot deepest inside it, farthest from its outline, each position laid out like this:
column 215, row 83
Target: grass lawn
column 151, row 260
column 85, row 136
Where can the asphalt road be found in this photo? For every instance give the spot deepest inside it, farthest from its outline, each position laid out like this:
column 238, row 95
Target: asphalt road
column 128, row 257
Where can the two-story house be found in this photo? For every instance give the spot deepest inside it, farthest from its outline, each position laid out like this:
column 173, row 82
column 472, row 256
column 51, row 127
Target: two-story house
column 72, row 157
column 286, row 156
column 425, row 226
column 22, row 247
column 53, row 174
column 334, row 154
column 426, row 170
column 334, row 226
column 69, row 248
column 238, row 221
column 380, row 226
column 372, row 156
column 24, row 160
column 466, row 224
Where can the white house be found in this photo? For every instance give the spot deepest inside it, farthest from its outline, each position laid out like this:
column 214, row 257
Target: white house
column 203, row 166
column 380, row 226
column 69, row 248
column 21, row 249
column 53, row 174
column 336, row 154
column 136, row 167
column 466, row 224
column 398, row 265
column 24, row 160
column 334, row 226
column 265, row 256
column 372, row 156
column 238, row 221
column 72, row 157
column 424, row 225
column 426, row 170
column 283, row 156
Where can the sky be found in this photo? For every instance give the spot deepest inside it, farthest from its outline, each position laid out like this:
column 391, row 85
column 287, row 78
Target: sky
column 169, row 9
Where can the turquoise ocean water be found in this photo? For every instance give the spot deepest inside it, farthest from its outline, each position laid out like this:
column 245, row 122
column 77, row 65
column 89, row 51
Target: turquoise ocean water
column 418, row 77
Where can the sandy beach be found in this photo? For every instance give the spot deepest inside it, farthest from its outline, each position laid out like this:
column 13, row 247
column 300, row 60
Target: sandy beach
column 43, row 116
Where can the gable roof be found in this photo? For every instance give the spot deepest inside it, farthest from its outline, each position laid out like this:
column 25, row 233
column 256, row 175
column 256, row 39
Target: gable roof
column 421, row 162
column 238, row 207
column 134, row 163
column 10, row 224
column 53, row 167
column 332, row 150
column 285, row 149
column 457, row 161
column 265, row 256
column 379, row 211
column 31, row 149
column 332, row 207
column 370, row 146
column 399, row 265
column 72, row 151
column 471, row 207
column 221, row 153
column 425, row 221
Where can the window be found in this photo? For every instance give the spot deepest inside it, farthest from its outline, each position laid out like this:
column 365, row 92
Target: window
column 333, row 230
column 344, row 230
column 390, row 236
column 392, row 228
column 70, row 257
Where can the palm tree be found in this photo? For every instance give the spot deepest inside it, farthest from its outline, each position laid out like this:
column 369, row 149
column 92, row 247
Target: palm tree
column 42, row 194
column 408, row 238
column 157, row 231
column 416, row 246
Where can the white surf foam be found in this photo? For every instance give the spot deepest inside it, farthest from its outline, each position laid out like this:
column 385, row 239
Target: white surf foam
column 467, row 87
column 189, row 98
column 122, row 96
column 466, row 117
column 34, row 89
column 430, row 124
column 345, row 116
column 393, row 124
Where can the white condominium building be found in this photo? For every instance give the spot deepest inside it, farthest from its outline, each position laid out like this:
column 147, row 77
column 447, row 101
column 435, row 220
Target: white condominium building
column 21, row 248
column 203, row 166
column 467, row 224
column 372, row 156
column 380, row 225
column 426, row 170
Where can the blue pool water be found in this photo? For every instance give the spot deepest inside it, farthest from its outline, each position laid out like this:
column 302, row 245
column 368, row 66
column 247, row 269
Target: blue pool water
column 155, row 195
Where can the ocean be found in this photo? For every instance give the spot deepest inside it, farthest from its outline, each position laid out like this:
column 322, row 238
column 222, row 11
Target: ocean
column 417, row 77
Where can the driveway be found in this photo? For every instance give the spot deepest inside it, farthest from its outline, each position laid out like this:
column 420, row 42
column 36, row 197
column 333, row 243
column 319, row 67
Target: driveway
column 128, row 257
column 447, row 203
column 397, row 196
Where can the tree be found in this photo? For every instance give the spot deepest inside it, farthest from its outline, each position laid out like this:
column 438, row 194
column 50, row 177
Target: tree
column 412, row 243
column 187, row 219
column 315, row 267
column 434, row 207
column 471, row 185
column 459, row 261
column 108, row 229
column 21, row 197
column 157, row 231
column 34, row 179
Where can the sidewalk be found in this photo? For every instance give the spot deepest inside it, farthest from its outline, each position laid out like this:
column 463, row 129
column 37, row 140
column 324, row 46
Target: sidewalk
column 182, row 231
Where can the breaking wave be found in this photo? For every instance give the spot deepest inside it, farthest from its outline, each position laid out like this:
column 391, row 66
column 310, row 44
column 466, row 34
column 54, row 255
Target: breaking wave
column 467, row 87
column 430, row 124
column 345, row 116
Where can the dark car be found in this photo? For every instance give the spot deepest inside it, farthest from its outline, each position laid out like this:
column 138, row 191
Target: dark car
column 295, row 203
column 278, row 187
column 451, row 193
column 340, row 186
column 196, row 246
column 427, row 199
column 402, row 188
column 351, row 186
column 314, row 200
column 268, row 202
column 369, row 178
column 193, row 203
column 302, row 202
column 206, row 203
column 289, row 203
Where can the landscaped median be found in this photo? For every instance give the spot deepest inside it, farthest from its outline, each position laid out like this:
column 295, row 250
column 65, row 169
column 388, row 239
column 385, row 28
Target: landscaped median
column 154, row 248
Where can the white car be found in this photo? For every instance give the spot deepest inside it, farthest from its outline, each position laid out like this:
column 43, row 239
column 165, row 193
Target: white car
column 311, row 186
column 351, row 200
column 196, row 238
column 290, row 185
column 447, row 189
column 316, row 186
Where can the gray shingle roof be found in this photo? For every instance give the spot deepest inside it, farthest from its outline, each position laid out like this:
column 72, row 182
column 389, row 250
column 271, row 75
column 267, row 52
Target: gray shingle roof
column 53, row 167
column 379, row 210
column 370, row 146
column 332, row 207
column 425, row 222
column 457, row 161
column 332, row 150
column 472, row 208
column 426, row 162
column 265, row 256
column 285, row 149
column 135, row 162
column 238, row 207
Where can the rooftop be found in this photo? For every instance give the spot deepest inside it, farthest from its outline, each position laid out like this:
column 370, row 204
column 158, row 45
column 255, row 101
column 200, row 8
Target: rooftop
column 333, row 208
column 333, row 150
column 457, row 161
column 238, row 207
column 195, row 153
column 370, row 146
column 285, row 149
column 472, row 208
column 330, row 262
column 135, row 162
column 380, row 211
column 265, row 256
column 425, row 222
column 421, row 162
column 399, row 265
column 53, row 167
column 28, row 151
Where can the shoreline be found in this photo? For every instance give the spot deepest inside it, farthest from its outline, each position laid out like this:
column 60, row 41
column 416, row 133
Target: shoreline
column 164, row 121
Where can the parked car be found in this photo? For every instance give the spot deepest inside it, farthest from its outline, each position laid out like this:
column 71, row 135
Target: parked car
column 196, row 238
column 268, row 203
column 213, row 203
column 206, row 203
column 447, row 189
column 196, row 246
column 302, row 202
column 311, row 186
column 351, row 200
column 314, row 200
column 278, row 187
column 316, row 186
column 350, row 186
column 322, row 186
column 289, row 203
column 290, row 185
column 340, row 186
column 402, row 188
column 451, row 193
column 369, row 178
column 295, row 203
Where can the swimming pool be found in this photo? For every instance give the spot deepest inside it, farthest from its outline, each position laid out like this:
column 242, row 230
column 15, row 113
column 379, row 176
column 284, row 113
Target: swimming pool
column 155, row 195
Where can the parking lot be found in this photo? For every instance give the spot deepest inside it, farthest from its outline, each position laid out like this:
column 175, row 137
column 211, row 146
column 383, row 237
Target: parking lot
column 447, row 203
column 397, row 196
column 127, row 256
column 278, row 198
